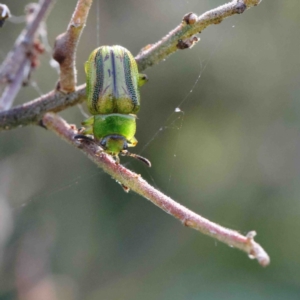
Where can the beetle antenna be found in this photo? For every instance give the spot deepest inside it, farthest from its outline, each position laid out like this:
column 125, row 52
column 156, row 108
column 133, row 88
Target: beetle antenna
column 136, row 156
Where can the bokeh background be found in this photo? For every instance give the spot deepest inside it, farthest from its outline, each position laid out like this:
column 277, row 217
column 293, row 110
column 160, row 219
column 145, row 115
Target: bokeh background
column 68, row 231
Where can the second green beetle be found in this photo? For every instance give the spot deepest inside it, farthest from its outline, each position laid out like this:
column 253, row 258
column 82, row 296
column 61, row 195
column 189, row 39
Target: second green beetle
column 113, row 99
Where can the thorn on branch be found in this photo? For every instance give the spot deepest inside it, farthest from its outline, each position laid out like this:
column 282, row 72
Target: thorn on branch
column 126, row 189
column 187, row 43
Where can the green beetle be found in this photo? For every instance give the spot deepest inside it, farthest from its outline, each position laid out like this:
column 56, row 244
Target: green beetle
column 113, row 99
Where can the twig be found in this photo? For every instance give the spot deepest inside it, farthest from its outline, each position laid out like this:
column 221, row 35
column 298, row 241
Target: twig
column 190, row 26
column 13, row 118
column 18, row 61
column 141, row 187
column 32, row 112
column 66, row 44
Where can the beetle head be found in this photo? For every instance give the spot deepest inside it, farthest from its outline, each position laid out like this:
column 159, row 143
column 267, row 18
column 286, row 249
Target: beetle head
column 116, row 144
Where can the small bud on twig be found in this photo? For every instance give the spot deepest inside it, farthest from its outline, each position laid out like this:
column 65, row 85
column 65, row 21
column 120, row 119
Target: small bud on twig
column 4, row 14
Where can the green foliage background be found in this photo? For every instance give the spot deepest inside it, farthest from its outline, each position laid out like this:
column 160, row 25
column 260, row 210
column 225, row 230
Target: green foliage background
column 237, row 163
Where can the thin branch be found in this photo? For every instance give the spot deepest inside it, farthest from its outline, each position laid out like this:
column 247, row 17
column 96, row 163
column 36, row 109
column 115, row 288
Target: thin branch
column 19, row 60
column 33, row 111
column 190, row 26
column 134, row 182
column 66, row 44
column 147, row 57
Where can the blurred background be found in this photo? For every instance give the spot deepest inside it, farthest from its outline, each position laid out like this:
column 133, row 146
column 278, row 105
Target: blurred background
column 68, row 231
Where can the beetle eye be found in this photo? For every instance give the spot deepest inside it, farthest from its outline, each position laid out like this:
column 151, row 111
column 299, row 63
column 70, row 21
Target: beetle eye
column 125, row 146
column 103, row 143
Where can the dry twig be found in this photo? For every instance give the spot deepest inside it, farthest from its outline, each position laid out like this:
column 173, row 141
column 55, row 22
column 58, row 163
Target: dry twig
column 191, row 25
column 19, row 61
column 143, row 188
column 33, row 111
column 66, row 44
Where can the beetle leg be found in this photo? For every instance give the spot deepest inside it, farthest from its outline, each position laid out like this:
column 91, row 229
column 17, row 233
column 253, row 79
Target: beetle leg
column 84, row 137
column 88, row 122
column 143, row 78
